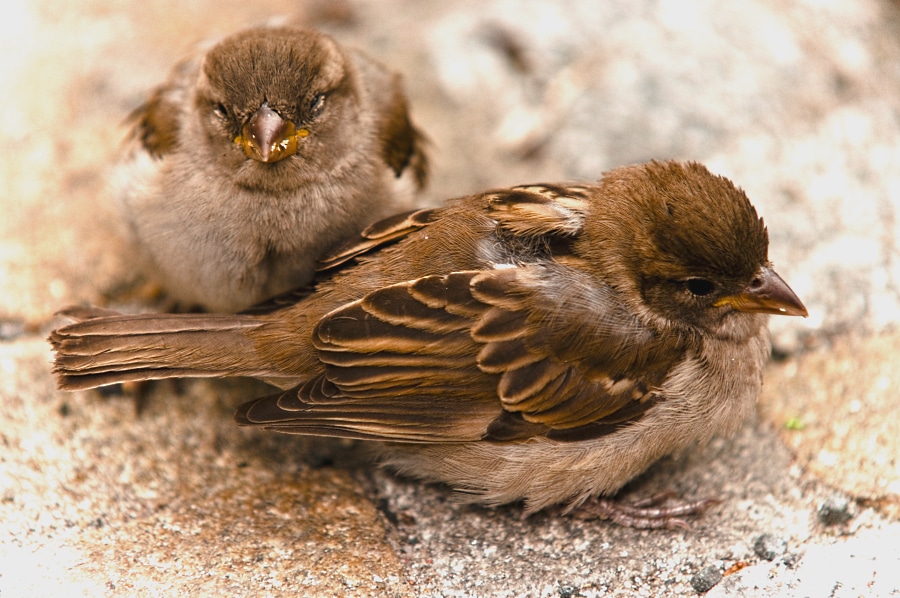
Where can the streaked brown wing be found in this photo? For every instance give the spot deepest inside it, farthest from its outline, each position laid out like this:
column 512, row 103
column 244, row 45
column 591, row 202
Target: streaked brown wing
column 154, row 124
column 381, row 233
column 402, row 144
column 453, row 358
column 540, row 210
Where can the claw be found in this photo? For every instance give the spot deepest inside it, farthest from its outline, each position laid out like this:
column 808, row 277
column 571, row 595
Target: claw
column 645, row 513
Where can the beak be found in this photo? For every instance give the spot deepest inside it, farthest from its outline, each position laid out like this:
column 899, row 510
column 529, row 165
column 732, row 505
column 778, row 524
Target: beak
column 269, row 138
column 766, row 294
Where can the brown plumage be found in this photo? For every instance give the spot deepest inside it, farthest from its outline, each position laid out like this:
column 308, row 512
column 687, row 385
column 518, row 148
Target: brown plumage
column 258, row 155
column 545, row 343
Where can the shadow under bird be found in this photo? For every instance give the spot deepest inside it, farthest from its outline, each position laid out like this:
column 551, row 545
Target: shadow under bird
column 260, row 153
column 544, row 343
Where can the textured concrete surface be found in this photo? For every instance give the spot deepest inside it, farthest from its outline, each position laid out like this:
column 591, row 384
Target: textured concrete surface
column 839, row 413
column 798, row 103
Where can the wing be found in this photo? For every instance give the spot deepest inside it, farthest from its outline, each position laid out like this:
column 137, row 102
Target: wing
column 402, row 143
column 377, row 235
column 545, row 211
column 154, row 124
column 469, row 356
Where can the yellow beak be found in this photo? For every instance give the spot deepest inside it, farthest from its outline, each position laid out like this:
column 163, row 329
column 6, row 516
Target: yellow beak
column 269, row 138
column 766, row 294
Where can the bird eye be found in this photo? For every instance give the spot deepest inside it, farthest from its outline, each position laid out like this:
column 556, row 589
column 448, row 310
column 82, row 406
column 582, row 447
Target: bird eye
column 317, row 104
column 220, row 110
column 699, row 286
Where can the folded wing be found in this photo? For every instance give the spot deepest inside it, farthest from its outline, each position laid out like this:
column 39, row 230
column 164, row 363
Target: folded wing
column 460, row 357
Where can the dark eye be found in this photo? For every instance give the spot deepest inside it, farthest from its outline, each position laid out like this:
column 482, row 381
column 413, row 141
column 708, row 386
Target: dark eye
column 317, row 104
column 220, row 111
column 699, row 286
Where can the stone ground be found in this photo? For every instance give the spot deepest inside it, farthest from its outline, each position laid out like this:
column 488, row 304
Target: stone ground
column 797, row 102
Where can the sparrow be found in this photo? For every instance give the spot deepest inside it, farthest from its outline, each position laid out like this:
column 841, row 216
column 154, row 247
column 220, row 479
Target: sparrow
column 542, row 343
column 256, row 157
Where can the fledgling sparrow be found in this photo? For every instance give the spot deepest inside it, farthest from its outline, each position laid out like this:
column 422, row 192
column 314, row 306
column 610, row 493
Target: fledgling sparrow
column 544, row 343
column 257, row 156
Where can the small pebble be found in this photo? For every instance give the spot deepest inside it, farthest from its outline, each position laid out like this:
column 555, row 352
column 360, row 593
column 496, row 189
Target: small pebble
column 790, row 560
column 704, row 580
column 568, row 591
column 768, row 547
column 834, row 510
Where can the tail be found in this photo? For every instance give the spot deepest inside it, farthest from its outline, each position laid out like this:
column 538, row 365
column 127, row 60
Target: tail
column 104, row 347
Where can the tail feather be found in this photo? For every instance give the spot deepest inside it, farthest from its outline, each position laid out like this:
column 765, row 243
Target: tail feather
column 105, row 348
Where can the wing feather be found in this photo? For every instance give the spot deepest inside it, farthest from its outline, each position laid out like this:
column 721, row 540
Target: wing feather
column 381, row 233
column 400, row 356
column 537, row 349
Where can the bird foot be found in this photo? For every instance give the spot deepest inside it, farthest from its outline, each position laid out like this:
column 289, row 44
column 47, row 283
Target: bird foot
column 648, row 513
